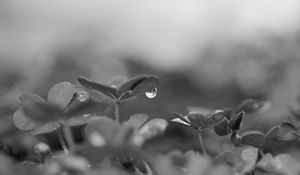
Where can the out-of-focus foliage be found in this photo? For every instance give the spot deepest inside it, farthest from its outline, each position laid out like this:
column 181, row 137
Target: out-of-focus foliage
column 140, row 145
column 207, row 84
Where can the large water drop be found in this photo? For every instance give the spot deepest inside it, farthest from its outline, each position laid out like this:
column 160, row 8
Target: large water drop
column 152, row 93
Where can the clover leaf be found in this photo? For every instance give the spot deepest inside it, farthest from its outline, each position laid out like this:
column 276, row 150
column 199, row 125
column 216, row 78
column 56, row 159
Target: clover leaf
column 39, row 116
column 255, row 138
column 248, row 106
column 132, row 87
column 199, row 121
column 227, row 126
column 233, row 116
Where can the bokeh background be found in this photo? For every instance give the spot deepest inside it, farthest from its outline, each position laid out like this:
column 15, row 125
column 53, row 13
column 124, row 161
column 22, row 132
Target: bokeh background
column 207, row 53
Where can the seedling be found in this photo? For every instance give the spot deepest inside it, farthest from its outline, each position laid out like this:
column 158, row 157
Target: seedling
column 199, row 122
column 121, row 91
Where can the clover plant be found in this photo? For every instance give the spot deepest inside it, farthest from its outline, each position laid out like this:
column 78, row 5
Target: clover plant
column 117, row 146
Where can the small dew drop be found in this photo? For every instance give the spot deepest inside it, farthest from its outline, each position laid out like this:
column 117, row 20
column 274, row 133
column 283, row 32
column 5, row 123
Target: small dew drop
column 152, row 93
column 82, row 96
column 97, row 140
column 41, row 148
column 86, row 115
column 114, row 86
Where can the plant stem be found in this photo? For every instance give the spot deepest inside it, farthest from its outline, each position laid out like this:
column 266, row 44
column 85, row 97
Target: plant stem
column 62, row 140
column 202, row 143
column 117, row 111
column 69, row 137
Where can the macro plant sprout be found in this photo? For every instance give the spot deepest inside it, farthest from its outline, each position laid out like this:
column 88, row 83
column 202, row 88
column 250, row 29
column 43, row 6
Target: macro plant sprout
column 124, row 89
column 199, row 122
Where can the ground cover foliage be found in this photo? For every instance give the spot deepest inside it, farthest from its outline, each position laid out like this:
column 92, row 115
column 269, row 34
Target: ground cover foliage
column 117, row 145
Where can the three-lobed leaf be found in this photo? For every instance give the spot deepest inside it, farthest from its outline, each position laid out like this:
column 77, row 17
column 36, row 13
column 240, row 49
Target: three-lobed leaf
column 39, row 116
column 132, row 87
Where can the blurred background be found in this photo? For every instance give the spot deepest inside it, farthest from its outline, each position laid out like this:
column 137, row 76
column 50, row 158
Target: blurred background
column 207, row 53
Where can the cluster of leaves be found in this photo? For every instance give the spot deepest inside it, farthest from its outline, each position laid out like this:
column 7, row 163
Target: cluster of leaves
column 116, row 145
column 247, row 153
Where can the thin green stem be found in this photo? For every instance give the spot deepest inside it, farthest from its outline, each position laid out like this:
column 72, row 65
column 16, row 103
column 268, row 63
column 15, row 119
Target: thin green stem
column 202, row 143
column 69, row 137
column 62, row 140
column 117, row 111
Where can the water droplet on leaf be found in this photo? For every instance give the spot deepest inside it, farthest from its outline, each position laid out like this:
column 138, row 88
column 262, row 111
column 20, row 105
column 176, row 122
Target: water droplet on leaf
column 113, row 86
column 86, row 115
column 41, row 148
column 82, row 96
column 97, row 140
column 152, row 93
